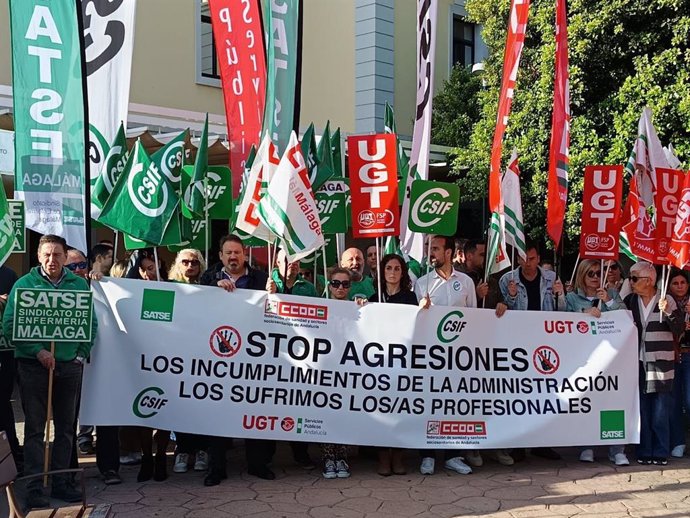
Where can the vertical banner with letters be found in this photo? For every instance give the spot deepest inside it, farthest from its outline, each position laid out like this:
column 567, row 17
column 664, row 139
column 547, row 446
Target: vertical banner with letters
column 282, row 27
column 669, row 185
column 108, row 46
column 373, row 185
column 411, row 242
column 50, row 139
column 679, row 251
column 601, row 208
column 239, row 42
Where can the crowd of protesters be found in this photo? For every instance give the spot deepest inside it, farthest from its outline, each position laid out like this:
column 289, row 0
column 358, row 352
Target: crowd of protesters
column 456, row 278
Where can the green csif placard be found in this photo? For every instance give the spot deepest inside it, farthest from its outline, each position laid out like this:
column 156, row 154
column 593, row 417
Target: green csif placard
column 19, row 222
column 434, row 207
column 52, row 316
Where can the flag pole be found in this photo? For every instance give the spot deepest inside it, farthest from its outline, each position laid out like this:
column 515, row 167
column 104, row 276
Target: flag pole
column 325, row 267
column 378, row 266
column 117, row 234
column 250, row 256
column 49, row 416
column 428, row 262
column 315, row 263
column 572, row 276
column 155, row 258
column 206, row 218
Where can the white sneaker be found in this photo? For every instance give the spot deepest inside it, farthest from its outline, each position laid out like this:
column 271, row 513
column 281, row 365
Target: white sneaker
column 503, row 457
column 181, row 460
column 201, row 461
column 619, row 459
column 427, row 466
column 329, row 470
column 342, row 469
column 456, row 464
column 587, row 455
column 474, row 459
column 678, row 451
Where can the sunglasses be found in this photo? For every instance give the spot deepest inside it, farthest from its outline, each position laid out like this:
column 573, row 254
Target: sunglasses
column 635, row 278
column 594, row 273
column 613, row 267
column 78, row 266
column 337, row 284
column 193, row 262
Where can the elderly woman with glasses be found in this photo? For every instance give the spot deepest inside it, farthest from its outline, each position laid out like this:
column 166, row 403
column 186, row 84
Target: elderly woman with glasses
column 187, row 267
column 589, row 296
column 656, row 360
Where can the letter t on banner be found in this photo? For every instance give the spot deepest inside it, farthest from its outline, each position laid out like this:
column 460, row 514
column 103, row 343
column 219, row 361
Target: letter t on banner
column 601, row 208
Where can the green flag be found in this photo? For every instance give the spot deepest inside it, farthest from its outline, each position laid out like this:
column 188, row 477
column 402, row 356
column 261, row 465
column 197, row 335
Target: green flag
column 143, row 201
column 6, row 228
column 336, row 154
column 218, row 192
column 195, row 193
column 324, row 160
column 113, row 165
column 170, row 159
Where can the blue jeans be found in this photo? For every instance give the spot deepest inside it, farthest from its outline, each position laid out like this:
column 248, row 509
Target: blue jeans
column 655, row 410
column 681, row 401
column 33, row 387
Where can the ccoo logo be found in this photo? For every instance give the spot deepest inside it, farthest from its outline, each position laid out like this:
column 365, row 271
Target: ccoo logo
column 148, row 402
column 450, row 327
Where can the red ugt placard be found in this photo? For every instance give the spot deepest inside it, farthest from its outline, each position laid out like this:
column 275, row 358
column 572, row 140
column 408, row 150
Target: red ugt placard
column 669, row 184
column 373, row 185
column 601, row 207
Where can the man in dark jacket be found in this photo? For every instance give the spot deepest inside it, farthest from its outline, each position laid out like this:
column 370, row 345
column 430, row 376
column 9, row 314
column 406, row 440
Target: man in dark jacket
column 236, row 273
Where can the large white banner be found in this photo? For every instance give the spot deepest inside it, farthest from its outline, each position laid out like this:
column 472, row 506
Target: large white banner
column 108, row 45
column 246, row 364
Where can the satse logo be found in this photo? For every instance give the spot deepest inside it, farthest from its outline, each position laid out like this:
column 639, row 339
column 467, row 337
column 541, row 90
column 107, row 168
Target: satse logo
column 157, row 305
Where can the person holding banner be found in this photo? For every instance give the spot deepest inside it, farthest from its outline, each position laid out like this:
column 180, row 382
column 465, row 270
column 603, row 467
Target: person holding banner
column 658, row 322
column 236, row 273
column 8, row 370
column 444, row 286
column 397, row 289
column 589, row 297
column 34, row 362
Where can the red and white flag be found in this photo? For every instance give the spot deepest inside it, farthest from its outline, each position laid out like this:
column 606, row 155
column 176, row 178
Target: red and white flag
column 679, row 252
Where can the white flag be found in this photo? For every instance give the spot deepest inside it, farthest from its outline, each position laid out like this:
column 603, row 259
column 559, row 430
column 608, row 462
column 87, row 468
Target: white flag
column 288, row 207
column 496, row 257
column 412, row 243
column 263, row 168
column 671, row 157
column 512, row 207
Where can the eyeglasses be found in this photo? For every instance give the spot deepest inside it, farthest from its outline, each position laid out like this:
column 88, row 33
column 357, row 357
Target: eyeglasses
column 614, row 267
column 594, row 273
column 337, row 284
column 193, row 262
column 77, row 266
column 635, row 278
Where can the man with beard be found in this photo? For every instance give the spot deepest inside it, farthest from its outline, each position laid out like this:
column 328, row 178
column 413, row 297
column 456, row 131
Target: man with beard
column 236, row 273
column 444, row 286
column 361, row 287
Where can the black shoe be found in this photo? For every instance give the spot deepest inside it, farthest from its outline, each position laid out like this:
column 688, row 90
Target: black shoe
column 110, row 478
column 146, row 469
column 645, row 461
column 86, row 448
column 659, row 461
column 262, row 472
column 546, row 453
column 305, row 463
column 66, row 494
column 213, row 479
column 160, row 470
column 518, row 454
column 35, row 499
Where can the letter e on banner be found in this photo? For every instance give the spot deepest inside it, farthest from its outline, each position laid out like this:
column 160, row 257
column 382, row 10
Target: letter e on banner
column 374, row 185
column 601, row 207
column 669, row 184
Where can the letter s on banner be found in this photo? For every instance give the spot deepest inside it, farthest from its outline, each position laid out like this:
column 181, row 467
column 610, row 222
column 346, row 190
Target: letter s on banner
column 601, row 207
column 374, row 185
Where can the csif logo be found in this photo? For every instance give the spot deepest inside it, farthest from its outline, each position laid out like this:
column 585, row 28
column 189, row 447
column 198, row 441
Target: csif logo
column 157, row 305
column 431, row 206
column 450, row 327
column 148, row 402
column 148, row 190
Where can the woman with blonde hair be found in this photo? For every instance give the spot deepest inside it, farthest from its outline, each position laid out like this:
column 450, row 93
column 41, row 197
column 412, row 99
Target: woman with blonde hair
column 188, row 266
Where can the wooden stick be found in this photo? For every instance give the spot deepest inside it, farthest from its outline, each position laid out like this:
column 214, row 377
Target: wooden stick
column 49, row 416
column 378, row 266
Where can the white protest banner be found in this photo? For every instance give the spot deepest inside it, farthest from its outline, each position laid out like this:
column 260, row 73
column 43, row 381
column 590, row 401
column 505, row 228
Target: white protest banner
column 174, row 357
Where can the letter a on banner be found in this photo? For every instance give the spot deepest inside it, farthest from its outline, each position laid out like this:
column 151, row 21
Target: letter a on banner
column 51, row 133
column 373, row 185
column 601, row 207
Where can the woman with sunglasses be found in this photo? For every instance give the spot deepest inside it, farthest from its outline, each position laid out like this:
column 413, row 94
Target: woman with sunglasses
column 678, row 288
column 588, row 296
column 187, row 268
column 397, row 289
column 656, row 366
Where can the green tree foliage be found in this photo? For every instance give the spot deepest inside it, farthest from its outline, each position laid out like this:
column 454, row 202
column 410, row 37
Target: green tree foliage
column 624, row 55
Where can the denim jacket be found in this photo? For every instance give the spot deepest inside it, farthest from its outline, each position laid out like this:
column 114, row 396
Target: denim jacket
column 578, row 302
column 519, row 302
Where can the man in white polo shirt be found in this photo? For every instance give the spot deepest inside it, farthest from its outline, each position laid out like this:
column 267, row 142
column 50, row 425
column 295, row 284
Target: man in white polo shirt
column 444, row 286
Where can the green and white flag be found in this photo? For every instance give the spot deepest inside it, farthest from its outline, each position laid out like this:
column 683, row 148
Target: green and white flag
column 50, row 133
column 512, row 207
column 624, row 247
column 194, row 195
column 7, row 236
column 288, row 207
column 113, row 165
column 171, row 158
column 143, row 201
column 337, row 154
column 325, row 169
column 496, row 257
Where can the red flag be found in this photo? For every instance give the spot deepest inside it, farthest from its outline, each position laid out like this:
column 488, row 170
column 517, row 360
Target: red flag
column 239, row 41
column 601, row 205
column 560, row 132
column 679, row 253
column 669, row 183
column 517, row 26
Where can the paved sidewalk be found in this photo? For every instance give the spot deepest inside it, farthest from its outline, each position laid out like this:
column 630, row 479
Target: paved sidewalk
column 534, row 488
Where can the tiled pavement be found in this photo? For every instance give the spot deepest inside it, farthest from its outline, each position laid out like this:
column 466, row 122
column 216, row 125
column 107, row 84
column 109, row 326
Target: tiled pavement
column 533, row 488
